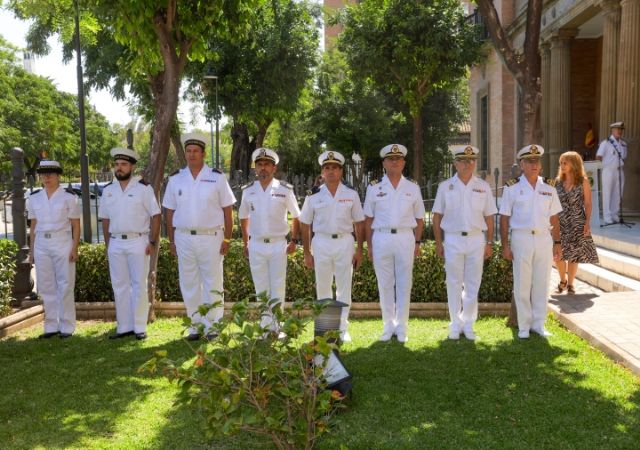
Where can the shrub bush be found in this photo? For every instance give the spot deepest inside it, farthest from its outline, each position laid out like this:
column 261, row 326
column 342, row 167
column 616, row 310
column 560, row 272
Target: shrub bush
column 8, row 252
column 92, row 283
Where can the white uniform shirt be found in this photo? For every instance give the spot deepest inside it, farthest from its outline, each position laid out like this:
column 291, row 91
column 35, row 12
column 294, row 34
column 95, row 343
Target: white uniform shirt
column 394, row 208
column 529, row 208
column 267, row 209
column 332, row 214
column 128, row 211
column 53, row 214
column 464, row 207
column 198, row 202
column 607, row 151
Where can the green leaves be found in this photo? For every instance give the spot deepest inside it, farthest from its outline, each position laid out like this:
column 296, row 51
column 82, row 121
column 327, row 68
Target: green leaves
column 8, row 254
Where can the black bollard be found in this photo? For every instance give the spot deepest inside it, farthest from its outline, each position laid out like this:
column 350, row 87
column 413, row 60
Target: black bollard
column 23, row 283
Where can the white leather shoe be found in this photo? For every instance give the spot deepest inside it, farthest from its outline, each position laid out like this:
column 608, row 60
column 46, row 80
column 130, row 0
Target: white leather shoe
column 542, row 332
column 454, row 335
column 402, row 337
column 386, row 336
column 345, row 337
column 470, row 335
column 523, row 334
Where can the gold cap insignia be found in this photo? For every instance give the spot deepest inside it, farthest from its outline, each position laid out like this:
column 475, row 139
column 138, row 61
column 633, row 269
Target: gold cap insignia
column 395, row 149
column 534, row 150
column 330, row 156
column 468, row 150
column 263, row 152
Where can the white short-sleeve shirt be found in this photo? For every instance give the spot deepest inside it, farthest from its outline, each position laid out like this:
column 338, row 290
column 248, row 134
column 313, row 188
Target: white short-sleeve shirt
column 332, row 214
column 464, row 207
column 608, row 151
column 267, row 208
column 128, row 211
column 530, row 208
column 198, row 202
column 53, row 213
column 394, row 208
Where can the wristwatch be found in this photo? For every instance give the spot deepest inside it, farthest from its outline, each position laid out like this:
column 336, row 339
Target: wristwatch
column 153, row 243
column 557, row 242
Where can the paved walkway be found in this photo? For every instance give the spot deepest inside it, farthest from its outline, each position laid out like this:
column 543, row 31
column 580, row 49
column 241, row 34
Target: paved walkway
column 610, row 321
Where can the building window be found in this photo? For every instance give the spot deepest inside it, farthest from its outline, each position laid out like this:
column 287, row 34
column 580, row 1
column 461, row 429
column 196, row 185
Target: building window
column 483, row 163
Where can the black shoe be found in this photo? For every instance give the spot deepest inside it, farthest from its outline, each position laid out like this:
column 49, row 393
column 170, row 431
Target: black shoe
column 121, row 335
column 65, row 335
column 211, row 335
column 48, row 335
column 193, row 337
column 141, row 336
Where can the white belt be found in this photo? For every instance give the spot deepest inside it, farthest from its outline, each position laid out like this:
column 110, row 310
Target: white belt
column 200, row 231
column 464, row 233
column 268, row 240
column 52, row 234
column 392, row 230
column 332, row 235
column 530, row 231
column 127, row 235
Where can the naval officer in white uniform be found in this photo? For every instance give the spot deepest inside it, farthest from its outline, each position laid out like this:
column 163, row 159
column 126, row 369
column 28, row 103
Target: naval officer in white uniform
column 394, row 219
column 54, row 236
column 529, row 208
column 612, row 152
column 131, row 224
column 335, row 212
column 464, row 208
column 198, row 200
column 264, row 209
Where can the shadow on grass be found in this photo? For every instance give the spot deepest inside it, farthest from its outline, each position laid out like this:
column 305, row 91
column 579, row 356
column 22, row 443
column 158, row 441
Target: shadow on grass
column 459, row 394
column 67, row 393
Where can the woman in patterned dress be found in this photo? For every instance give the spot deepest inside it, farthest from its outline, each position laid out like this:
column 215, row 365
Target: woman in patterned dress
column 577, row 244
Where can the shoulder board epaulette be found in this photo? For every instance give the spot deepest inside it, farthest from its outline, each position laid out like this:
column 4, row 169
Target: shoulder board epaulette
column 175, row 172
column 411, row 180
column 108, row 184
column 69, row 190
column 141, row 181
column 512, row 181
column 373, row 182
column 249, row 184
column 285, row 184
column 550, row 181
column 216, row 170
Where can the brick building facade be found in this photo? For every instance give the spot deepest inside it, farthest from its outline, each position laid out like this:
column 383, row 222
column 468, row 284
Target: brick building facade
column 590, row 55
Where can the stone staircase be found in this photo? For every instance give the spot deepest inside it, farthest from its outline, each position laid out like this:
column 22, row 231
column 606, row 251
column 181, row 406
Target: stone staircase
column 619, row 267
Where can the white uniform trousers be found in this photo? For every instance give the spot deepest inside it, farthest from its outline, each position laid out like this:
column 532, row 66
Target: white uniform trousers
column 268, row 262
column 532, row 260
column 56, row 278
column 611, row 193
column 200, row 270
column 333, row 258
column 129, row 270
column 393, row 264
column 463, row 261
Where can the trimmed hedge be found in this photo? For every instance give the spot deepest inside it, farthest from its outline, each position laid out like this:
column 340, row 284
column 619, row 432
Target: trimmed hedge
column 8, row 252
column 93, row 283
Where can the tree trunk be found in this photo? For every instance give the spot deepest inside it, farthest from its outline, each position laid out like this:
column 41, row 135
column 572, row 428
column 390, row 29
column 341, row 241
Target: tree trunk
column 417, row 148
column 177, row 144
column 240, row 151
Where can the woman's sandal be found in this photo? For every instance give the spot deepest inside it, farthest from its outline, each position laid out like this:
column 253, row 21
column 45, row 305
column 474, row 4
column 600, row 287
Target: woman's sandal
column 570, row 290
column 561, row 287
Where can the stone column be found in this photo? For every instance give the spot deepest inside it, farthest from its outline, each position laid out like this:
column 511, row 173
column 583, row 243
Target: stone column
column 545, row 75
column 609, row 72
column 560, row 98
column 628, row 102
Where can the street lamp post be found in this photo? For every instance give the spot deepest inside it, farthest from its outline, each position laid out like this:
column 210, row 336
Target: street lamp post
column 217, row 143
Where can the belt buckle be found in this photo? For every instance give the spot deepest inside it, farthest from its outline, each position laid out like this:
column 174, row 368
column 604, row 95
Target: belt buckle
column 193, row 232
column 394, row 231
column 124, row 236
column 533, row 231
column 334, row 236
column 47, row 235
column 464, row 233
column 266, row 241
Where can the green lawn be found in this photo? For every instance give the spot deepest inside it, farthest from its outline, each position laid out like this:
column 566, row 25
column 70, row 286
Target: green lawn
column 500, row 392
